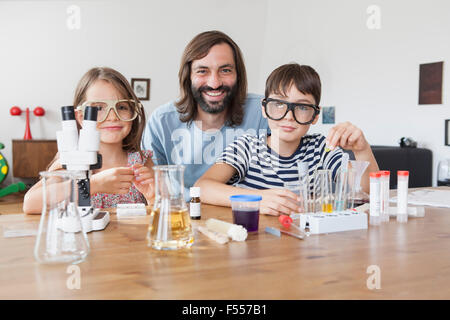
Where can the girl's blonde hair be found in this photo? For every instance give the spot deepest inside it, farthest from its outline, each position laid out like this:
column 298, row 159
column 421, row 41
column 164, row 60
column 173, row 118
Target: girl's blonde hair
column 132, row 142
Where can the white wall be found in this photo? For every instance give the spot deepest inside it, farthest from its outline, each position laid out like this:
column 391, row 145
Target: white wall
column 41, row 60
column 371, row 76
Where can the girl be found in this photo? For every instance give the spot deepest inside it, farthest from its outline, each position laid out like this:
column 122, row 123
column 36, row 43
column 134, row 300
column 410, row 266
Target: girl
column 126, row 175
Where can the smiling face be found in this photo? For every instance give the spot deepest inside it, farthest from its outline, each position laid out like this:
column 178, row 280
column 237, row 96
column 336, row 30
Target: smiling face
column 287, row 129
column 112, row 130
column 213, row 79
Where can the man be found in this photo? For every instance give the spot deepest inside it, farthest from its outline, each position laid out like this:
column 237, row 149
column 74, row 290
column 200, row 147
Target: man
column 212, row 111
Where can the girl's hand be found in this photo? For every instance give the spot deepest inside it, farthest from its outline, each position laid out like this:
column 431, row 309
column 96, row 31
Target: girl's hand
column 347, row 136
column 144, row 181
column 114, row 180
column 279, row 201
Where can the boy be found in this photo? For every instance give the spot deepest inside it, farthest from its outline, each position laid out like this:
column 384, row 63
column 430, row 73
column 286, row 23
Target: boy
column 261, row 165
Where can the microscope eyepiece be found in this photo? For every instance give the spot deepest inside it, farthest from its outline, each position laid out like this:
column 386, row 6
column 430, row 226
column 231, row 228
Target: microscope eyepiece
column 90, row 113
column 68, row 113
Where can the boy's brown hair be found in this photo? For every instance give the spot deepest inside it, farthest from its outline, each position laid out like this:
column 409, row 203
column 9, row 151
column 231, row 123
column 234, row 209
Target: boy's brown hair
column 305, row 79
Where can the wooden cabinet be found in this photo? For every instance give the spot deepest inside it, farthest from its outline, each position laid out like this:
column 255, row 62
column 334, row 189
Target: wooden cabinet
column 32, row 156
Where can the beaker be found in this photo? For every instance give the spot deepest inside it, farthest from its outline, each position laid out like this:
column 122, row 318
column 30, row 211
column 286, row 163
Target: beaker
column 170, row 225
column 300, row 188
column 61, row 238
column 323, row 191
column 359, row 197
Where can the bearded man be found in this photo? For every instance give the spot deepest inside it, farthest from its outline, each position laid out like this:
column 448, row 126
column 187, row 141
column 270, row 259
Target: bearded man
column 213, row 109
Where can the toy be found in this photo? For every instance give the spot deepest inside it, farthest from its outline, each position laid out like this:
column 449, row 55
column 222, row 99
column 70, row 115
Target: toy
column 15, row 187
column 38, row 112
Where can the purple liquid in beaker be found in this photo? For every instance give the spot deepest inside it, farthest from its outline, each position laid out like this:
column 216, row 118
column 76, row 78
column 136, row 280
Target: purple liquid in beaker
column 248, row 219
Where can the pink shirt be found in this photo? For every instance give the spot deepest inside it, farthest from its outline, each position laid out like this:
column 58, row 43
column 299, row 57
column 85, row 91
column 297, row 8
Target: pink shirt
column 108, row 200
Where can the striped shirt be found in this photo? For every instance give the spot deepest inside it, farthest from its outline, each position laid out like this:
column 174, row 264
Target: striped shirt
column 259, row 167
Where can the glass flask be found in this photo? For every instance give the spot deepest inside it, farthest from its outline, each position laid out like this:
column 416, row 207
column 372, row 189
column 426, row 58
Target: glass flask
column 170, row 224
column 358, row 197
column 444, row 173
column 60, row 238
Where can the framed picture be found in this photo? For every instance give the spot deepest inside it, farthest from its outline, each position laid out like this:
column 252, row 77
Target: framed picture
column 447, row 132
column 141, row 88
column 328, row 115
column 430, row 83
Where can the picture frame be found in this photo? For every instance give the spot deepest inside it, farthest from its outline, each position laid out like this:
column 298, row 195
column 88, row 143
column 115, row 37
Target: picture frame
column 141, row 87
column 329, row 115
column 447, row 132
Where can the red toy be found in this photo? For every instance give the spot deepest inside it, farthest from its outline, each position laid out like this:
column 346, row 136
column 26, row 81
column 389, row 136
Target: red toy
column 38, row 112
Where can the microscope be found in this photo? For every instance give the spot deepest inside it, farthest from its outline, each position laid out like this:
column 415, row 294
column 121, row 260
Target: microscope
column 78, row 153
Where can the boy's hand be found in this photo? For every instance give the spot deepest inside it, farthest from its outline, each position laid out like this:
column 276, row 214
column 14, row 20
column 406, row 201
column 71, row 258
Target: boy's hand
column 114, row 180
column 278, row 201
column 144, row 181
column 347, row 136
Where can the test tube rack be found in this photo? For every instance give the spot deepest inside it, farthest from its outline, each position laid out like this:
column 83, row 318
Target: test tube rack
column 320, row 223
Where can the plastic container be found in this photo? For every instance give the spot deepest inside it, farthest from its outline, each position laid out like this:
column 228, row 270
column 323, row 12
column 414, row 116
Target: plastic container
column 245, row 210
column 375, row 200
column 384, row 194
column 402, row 196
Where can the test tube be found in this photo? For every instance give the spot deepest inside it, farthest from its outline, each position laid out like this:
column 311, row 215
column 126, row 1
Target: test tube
column 304, row 183
column 384, row 195
column 341, row 186
column 375, row 198
column 402, row 196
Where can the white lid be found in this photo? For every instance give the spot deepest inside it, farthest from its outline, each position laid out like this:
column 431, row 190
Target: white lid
column 194, row 192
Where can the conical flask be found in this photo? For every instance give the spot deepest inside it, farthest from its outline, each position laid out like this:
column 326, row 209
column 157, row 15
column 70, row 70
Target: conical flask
column 358, row 196
column 61, row 238
column 170, row 224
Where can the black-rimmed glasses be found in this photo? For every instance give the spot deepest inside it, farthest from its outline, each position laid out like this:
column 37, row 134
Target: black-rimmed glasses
column 278, row 109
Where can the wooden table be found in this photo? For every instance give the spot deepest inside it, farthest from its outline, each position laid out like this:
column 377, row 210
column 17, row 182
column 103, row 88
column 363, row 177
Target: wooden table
column 414, row 260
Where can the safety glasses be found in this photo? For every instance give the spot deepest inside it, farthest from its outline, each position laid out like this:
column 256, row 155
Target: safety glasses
column 125, row 110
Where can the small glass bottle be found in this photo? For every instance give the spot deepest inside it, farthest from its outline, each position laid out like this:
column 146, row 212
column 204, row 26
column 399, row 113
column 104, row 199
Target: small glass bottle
column 195, row 204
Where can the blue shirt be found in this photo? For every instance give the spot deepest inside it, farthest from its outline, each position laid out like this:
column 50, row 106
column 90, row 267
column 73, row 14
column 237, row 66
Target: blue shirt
column 176, row 142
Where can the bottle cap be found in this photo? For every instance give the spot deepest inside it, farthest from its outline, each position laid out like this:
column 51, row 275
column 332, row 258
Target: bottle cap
column 385, row 173
column 194, row 192
column 403, row 173
column 245, row 198
column 375, row 174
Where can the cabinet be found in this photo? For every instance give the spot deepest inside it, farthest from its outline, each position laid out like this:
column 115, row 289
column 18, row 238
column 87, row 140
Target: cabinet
column 32, row 156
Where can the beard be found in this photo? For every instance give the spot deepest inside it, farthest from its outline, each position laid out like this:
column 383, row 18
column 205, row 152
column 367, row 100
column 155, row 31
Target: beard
column 214, row 107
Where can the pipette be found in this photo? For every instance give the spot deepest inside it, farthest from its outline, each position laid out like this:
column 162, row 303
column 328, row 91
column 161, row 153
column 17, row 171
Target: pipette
column 341, row 187
column 278, row 232
column 286, row 222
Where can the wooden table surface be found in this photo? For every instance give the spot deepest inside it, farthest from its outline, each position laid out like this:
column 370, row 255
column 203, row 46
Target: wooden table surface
column 414, row 260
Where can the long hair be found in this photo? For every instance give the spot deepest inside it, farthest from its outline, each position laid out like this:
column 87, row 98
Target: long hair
column 132, row 142
column 197, row 49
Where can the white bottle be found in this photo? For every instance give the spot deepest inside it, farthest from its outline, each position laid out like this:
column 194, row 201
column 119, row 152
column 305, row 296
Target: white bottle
column 385, row 176
column 402, row 196
column 375, row 199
